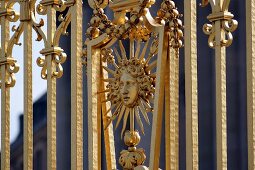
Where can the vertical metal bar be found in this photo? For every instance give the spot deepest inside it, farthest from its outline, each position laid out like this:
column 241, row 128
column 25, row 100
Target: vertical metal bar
column 5, row 95
column 190, row 20
column 5, row 122
column 76, row 87
column 93, row 69
column 28, row 100
column 108, row 133
column 250, row 41
column 158, row 102
column 51, row 93
column 172, row 110
column 221, row 113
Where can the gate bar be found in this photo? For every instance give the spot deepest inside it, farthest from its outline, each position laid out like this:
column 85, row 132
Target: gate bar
column 76, row 87
column 28, row 98
column 5, row 94
column 250, row 60
column 51, row 93
column 191, row 98
column 172, row 110
column 221, row 108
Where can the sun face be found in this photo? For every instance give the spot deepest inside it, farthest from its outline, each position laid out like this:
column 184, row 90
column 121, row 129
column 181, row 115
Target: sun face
column 131, row 88
column 128, row 89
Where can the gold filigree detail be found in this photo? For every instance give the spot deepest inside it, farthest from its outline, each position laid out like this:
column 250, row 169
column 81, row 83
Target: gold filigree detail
column 11, row 66
column 58, row 58
column 169, row 15
column 58, row 55
column 58, row 5
column 121, row 27
column 98, row 3
column 99, row 22
column 228, row 25
column 61, row 30
column 9, row 13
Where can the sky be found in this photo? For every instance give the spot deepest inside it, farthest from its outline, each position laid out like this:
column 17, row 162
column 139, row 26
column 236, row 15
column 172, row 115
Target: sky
column 39, row 85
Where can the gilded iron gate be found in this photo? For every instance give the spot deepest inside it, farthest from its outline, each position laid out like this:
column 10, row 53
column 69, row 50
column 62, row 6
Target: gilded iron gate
column 124, row 84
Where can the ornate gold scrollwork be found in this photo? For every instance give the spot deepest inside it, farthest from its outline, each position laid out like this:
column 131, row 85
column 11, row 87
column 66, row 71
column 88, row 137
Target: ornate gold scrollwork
column 98, row 3
column 122, row 27
column 57, row 54
column 11, row 68
column 169, row 14
column 228, row 24
column 58, row 58
column 9, row 13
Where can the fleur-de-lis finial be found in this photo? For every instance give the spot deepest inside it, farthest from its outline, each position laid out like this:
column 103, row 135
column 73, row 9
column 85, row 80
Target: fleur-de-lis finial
column 228, row 24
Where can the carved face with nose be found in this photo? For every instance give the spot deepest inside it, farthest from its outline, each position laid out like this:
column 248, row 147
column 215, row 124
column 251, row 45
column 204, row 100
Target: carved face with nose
column 128, row 89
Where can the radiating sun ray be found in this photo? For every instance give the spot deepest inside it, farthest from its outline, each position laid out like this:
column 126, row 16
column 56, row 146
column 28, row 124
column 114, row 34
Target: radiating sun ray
column 125, row 121
column 115, row 65
column 108, row 80
column 147, row 105
column 138, row 49
column 123, row 51
column 153, row 75
column 115, row 113
column 123, row 108
column 138, row 119
column 107, row 100
column 150, row 56
column 117, row 54
column 151, row 66
column 141, row 107
column 104, row 91
column 109, row 70
column 144, row 50
column 108, row 123
column 112, row 107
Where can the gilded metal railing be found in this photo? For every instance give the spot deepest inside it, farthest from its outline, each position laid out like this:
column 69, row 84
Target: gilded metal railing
column 154, row 45
column 51, row 69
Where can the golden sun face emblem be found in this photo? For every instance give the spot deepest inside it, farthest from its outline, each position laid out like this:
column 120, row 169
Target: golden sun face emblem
column 131, row 87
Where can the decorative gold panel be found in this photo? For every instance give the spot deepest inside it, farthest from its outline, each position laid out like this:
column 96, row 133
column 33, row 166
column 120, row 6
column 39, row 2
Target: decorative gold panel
column 134, row 83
